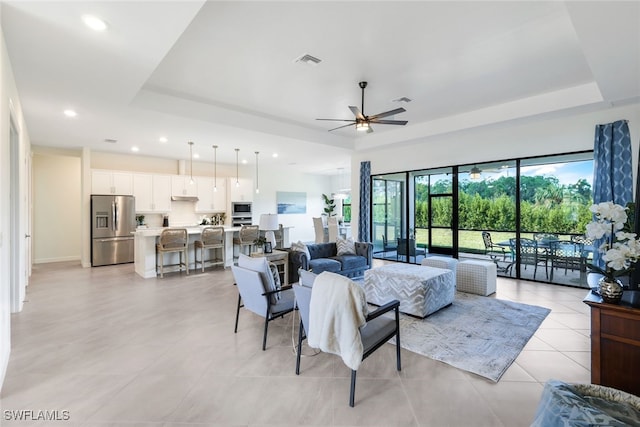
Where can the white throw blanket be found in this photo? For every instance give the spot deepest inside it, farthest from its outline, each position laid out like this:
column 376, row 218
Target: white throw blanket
column 338, row 309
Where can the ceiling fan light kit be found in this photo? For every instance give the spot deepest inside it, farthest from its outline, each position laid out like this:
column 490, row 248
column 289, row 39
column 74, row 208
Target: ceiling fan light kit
column 362, row 122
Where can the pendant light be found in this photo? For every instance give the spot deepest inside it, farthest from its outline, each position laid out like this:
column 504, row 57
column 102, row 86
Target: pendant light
column 257, row 178
column 475, row 172
column 191, row 161
column 215, row 168
column 237, row 178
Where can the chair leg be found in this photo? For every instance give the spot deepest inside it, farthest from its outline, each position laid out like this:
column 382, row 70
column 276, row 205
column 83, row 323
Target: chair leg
column 235, row 330
column 186, row 261
column 161, row 256
column 299, row 348
column 398, row 361
column 352, row 392
column 266, row 327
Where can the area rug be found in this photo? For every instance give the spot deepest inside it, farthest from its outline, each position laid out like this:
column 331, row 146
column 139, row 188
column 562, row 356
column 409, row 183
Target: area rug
column 477, row 334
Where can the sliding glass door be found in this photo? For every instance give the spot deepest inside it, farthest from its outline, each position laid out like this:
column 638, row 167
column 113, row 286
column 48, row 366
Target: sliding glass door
column 388, row 214
column 494, row 211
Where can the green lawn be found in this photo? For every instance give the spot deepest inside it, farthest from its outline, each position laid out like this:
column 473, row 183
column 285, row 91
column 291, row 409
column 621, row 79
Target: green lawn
column 468, row 240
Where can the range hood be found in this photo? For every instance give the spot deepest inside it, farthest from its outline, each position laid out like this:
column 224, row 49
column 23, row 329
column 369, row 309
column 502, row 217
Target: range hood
column 184, row 198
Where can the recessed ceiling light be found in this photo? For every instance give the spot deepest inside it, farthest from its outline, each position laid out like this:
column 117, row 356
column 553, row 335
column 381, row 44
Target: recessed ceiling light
column 196, row 155
column 244, row 161
column 135, row 149
column 70, row 113
column 93, row 22
column 274, row 155
column 163, row 139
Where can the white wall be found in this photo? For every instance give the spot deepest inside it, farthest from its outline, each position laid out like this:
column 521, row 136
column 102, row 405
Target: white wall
column 11, row 299
column 572, row 132
column 56, row 208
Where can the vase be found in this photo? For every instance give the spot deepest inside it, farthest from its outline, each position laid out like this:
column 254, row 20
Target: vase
column 610, row 291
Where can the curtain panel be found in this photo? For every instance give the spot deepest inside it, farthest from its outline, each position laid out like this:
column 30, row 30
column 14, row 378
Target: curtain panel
column 612, row 170
column 364, row 216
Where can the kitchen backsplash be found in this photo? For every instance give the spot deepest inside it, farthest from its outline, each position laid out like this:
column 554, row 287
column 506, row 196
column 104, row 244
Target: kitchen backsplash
column 182, row 214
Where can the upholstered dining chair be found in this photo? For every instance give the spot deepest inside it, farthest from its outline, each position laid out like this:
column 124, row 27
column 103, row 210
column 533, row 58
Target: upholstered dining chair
column 279, row 234
column 172, row 240
column 374, row 334
column 260, row 293
column 247, row 236
column 332, row 226
column 318, row 227
column 212, row 238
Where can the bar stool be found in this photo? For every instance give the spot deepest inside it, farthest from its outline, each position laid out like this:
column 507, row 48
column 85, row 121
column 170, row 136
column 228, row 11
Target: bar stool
column 212, row 238
column 172, row 240
column 247, row 236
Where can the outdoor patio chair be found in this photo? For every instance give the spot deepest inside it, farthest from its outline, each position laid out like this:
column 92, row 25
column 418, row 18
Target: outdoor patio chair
column 493, row 251
column 407, row 249
column 386, row 247
column 565, row 254
column 530, row 254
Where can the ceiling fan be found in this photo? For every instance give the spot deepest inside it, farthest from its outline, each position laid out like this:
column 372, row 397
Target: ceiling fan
column 362, row 122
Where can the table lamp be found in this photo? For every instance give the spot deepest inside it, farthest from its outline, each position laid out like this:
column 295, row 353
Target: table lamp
column 269, row 223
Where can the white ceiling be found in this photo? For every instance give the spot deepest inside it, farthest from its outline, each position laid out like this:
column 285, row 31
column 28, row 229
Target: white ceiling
column 225, row 73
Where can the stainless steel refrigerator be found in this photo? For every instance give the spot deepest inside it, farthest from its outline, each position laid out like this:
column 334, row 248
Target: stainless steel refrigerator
column 113, row 219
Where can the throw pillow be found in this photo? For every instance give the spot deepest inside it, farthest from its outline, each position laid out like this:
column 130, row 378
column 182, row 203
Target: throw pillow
column 259, row 265
column 345, row 246
column 299, row 246
column 306, row 278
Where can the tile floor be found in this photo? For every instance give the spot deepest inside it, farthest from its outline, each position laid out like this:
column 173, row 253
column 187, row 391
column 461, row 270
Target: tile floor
column 115, row 349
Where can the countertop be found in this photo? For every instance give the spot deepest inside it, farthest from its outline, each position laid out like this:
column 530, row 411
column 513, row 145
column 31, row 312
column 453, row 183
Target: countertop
column 191, row 229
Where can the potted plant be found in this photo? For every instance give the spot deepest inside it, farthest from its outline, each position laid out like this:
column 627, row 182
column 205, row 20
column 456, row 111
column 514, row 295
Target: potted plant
column 620, row 249
column 259, row 242
column 140, row 220
column 329, row 206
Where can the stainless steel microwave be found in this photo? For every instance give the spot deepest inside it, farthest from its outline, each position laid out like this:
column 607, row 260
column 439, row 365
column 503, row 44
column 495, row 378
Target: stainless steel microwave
column 241, row 209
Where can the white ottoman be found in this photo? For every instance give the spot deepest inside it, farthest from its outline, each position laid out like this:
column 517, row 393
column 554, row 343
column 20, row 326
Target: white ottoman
column 420, row 290
column 477, row 277
column 446, row 262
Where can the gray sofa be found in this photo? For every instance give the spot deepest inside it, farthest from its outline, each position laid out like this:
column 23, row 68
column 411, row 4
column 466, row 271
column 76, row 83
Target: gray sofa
column 324, row 258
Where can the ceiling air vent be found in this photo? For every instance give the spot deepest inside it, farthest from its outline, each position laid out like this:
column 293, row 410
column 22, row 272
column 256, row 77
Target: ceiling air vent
column 110, row 141
column 403, row 99
column 308, row 59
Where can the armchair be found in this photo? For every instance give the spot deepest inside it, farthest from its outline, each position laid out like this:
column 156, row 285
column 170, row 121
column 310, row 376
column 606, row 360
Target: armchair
column 259, row 292
column 372, row 335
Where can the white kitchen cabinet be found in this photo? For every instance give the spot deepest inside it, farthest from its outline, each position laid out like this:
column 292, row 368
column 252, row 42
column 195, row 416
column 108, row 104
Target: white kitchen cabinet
column 242, row 192
column 152, row 193
column 181, row 186
column 208, row 199
column 111, row 182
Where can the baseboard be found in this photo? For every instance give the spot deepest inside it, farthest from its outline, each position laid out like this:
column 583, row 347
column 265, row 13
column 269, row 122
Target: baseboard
column 58, row 259
column 4, row 364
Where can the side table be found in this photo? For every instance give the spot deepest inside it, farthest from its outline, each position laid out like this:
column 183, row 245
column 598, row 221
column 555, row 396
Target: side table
column 615, row 344
column 277, row 258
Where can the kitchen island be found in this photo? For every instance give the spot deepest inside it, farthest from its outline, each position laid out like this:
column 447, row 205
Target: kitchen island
column 145, row 240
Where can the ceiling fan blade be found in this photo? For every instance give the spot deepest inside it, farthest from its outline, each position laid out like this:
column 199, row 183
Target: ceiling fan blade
column 356, row 112
column 388, row 113
column 339, row 120
column 390, row 122
column 340, row 127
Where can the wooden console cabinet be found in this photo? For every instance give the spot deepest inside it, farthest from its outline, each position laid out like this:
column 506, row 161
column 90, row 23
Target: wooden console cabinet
column 615, row 345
